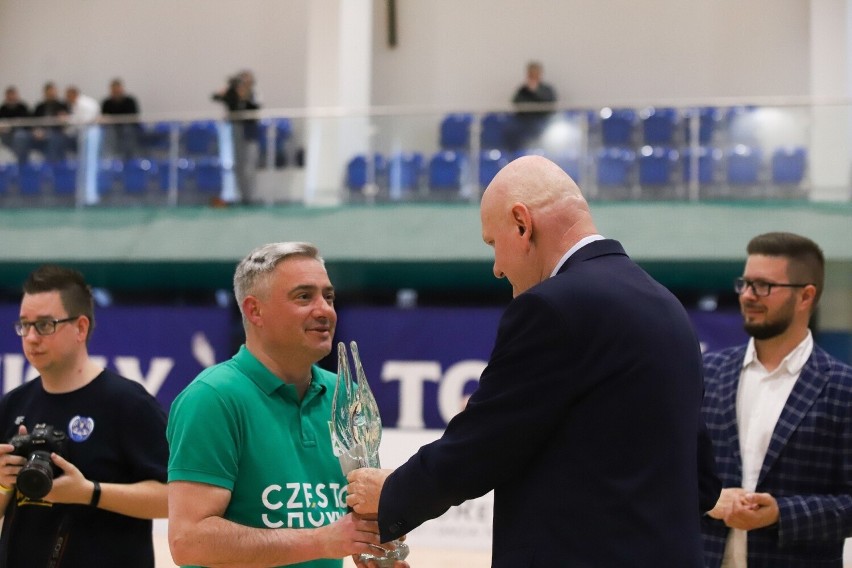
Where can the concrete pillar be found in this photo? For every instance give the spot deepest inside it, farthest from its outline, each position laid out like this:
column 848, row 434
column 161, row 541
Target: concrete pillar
column 338, row 93
column 830, row 153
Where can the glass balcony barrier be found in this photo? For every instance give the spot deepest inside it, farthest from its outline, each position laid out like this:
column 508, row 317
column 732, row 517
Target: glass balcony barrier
column 397, row 155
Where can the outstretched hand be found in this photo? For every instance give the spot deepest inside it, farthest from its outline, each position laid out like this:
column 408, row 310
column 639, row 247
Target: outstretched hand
column 365, row 489
column 350, row 535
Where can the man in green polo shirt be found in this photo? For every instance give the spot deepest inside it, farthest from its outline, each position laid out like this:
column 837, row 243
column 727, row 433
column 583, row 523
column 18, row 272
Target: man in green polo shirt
column 252, row 476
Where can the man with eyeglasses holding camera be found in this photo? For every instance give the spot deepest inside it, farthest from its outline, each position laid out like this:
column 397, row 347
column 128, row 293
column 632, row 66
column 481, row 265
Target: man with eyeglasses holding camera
column 100, row 495
column 779, row 411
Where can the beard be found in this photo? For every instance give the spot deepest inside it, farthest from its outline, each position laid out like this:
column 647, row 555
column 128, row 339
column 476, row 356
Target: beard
column 772, row 327
column 766, row 330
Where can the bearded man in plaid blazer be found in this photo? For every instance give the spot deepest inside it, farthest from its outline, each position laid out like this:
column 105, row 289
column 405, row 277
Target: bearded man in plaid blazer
column 779, row 411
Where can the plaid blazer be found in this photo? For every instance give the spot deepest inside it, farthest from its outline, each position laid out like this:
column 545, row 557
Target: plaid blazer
column 808, row 466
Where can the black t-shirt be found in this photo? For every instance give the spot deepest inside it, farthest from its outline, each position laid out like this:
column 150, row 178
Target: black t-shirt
column 116, row 434
column 124, row 105
column 51, row 108
column 543, row 94
column 17, row 110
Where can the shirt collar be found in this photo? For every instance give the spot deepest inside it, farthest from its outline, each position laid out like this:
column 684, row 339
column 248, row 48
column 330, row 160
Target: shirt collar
column 580, row 244
column 266, row 381
column 792, row 363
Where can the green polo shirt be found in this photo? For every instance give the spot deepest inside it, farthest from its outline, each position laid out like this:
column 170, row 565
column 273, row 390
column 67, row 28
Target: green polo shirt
column 240, row 427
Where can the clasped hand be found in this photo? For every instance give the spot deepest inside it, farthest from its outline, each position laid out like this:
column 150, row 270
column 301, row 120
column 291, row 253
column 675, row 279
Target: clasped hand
column 740, row 509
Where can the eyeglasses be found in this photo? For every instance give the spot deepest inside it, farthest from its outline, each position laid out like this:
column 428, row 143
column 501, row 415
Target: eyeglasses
column 42, row 327
column 759, row 287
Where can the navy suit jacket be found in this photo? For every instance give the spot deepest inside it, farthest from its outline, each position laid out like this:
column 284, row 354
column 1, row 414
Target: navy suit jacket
column 585, row 424
column 808, row 466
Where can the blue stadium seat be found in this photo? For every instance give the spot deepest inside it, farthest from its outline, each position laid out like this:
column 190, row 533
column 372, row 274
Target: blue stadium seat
column 446, row 170
column 614, row 166
column 32, row 178
column 658, row 126
column 743, row 164
column 709, row 160
column 788, row 165
column 8, row 173
column 709, row 119
column 490, row 162
column 357, row 174
column 138, row 175
column 157, row 136
column 496, row 130
column 617, row 126
column 455, row 131
column 208, row 175
column 200, row 138
column 405, row 170
column 279, row 129
column 184, row 169
column 109, row 172
column 657, row 165
column 64, row 175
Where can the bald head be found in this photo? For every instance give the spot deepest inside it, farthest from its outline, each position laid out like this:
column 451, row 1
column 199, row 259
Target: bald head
column 534, row 180
column 532, row 213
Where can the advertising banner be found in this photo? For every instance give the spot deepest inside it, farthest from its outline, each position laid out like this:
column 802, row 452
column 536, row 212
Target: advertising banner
column 161, row 347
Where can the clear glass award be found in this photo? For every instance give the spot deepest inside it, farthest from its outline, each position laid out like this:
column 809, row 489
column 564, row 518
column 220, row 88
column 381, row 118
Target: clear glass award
column 356, row 432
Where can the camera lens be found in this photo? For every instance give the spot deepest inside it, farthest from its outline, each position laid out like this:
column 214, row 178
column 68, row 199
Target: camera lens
column 35, row 480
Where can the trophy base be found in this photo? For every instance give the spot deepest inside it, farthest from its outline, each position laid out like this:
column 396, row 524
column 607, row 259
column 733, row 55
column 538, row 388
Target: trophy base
column 388, row 560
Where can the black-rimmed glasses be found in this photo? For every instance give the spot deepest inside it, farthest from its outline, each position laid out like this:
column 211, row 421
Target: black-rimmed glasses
column 760, row 287
column 42, row 326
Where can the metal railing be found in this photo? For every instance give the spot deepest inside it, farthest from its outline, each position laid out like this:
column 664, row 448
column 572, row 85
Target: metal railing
column 333, row 156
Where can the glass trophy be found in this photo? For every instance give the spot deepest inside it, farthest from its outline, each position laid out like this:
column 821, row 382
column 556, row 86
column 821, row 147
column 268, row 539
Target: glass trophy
column 356, row 432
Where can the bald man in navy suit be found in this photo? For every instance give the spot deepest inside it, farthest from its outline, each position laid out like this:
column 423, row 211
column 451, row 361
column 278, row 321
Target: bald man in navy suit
column 586, row 422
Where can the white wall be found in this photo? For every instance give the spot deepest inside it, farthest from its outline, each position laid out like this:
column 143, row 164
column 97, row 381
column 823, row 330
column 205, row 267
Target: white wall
column 172, row 54
column 451, row 53
column 473, row 52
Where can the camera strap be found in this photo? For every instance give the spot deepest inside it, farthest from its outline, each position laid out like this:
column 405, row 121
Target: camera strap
column 59, row 544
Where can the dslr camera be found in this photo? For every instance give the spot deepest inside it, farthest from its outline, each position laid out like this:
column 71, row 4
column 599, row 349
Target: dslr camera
column 35, row 480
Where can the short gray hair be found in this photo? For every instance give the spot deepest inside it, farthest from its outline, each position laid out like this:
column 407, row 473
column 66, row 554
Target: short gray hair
column 253, row 271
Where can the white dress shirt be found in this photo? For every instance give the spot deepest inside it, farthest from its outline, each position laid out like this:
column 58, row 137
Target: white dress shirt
column 85, row 110
column 580, row 244
column 761, row 396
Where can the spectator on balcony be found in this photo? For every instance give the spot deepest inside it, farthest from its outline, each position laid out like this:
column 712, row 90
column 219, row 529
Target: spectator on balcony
column 85, row 111
column 121, row 138
column 534, row 101
column 15, row 138
column 50, row 139
column 239, row 97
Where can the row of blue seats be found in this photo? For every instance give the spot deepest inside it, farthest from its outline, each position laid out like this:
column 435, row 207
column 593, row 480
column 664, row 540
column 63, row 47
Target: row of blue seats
column 133, row 176
column 739, row 165
column 201, row 137
column 405, row 171
column 617, row 127
column 448, row 169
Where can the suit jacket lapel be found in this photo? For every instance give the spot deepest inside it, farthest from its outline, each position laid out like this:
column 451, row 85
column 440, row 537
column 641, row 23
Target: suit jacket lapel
column 729, row 379
column 808, row 387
